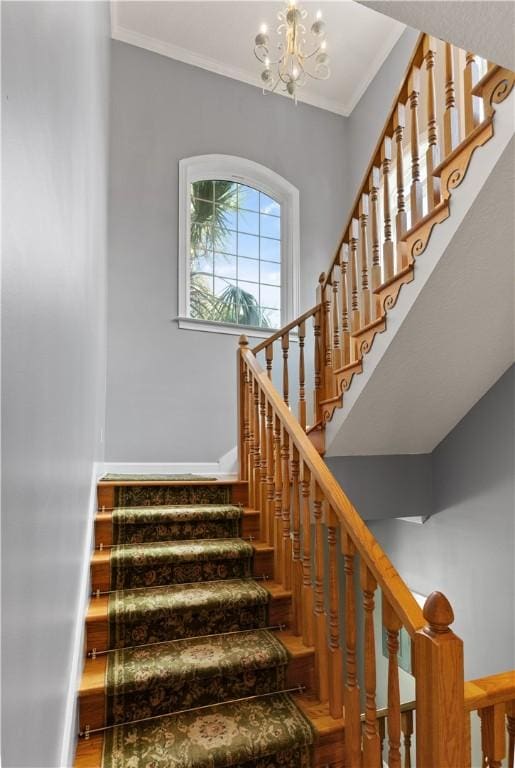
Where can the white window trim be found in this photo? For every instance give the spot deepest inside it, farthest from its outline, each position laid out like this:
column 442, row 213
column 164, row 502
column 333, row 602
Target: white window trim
column 238, row 169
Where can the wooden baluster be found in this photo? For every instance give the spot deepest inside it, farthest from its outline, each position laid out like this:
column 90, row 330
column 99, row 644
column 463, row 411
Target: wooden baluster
column 269, row 357
column 416, row 194
column 365, row 290
column 393, row 625
column 270, row 473
column 335, row 650
column 286, row 511
column 251, row 456
column 510, row 727
column 243, row 426
column 297, row 563
column 346, row 340
column 407, row 732
column 386, row 161
column 355, row 317
column 433, row 151
column 257, row 459
column 399, row 124
column 451, row 131
column 472, row 103
column 492, row 735
column 468, row 742
column 439, row 686
column 317, row 396
column 285, row 346
column 373, row 186
column 351, row 689
column 263, row 443
column 370, row 732
column 382, row 733
column 307, row 585
column 327, row 338
column 302, row 376
column 278, row 503
column 337, row 352
column 321, row 660
column 244, row 470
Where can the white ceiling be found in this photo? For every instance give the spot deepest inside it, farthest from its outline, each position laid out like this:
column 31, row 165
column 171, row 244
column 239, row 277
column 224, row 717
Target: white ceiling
column 219, row 36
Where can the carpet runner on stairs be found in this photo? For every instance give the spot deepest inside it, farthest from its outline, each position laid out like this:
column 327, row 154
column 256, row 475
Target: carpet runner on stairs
column 187, row 636
column 132, row 525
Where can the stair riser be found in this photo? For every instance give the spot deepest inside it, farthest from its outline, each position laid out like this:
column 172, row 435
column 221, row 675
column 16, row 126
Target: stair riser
column 299, row 672
column 108, row 496
column 97, row 632
column 104, row 529
column 263, row 565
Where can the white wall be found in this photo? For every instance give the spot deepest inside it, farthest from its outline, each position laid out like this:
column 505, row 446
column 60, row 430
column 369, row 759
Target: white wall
column 54, row 123
column 171, row 392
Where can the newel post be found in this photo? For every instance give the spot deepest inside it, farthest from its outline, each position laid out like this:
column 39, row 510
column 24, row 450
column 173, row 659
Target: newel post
column 242, row 407
column 439, row 677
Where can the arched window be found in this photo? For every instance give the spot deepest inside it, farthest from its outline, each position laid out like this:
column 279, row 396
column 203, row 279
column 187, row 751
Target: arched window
column 238, row 246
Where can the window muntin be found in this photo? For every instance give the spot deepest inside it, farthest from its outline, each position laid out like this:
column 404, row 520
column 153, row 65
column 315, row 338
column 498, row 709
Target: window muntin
column 235, row 254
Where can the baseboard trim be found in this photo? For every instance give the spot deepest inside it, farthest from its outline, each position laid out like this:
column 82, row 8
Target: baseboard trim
column 70, row 728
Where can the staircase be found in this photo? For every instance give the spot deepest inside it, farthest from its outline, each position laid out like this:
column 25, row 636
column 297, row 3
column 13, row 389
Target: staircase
column 233, row 623
column 190, row 658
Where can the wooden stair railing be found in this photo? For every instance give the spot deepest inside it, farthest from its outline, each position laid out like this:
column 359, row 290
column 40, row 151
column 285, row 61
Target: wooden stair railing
column 442, row 112
column 306, row 516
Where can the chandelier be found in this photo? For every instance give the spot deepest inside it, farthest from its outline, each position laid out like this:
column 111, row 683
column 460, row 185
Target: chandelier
column 296, row 60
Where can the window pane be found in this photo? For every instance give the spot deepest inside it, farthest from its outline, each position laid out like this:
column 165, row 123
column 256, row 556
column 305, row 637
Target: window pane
column 225, row 266
column 225, row 217
column 248, row 269
column 273, row 316
column 248, row 245
column 202, row 190
column 269, row 205
column 270, row 226
column 270, row 249
column 252, row 288
column 270, row 273
column 270, row 297
column 248, row 222
column 226, row 193
column 225, row 240
column 201, row 261
column 221, row 285
column 248, row 198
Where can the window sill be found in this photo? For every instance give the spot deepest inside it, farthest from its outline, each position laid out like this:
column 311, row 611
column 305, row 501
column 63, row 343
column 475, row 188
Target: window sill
column 211, row 326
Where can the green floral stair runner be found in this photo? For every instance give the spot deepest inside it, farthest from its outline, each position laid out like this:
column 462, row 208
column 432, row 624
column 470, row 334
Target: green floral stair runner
column 187, row 632
column 132, row 525
column 263, row 733
column 152, row 495
column 160, row 679
column 137, row 617
column 179, row 562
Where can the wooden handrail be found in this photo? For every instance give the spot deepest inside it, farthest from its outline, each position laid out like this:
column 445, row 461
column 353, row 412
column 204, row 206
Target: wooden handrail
column 368, row 547
column 489, row 691
column 286, row 329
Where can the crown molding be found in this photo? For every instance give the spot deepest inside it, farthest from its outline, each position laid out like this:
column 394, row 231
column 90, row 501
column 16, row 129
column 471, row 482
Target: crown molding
column 171, row 51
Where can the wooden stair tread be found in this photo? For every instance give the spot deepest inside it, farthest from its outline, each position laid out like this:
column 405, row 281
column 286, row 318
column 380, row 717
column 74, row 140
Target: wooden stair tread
column 162, row 483
column 318, row 714
column 93, row 676
column 101, row 557
column 97, row 609
column 107, row 516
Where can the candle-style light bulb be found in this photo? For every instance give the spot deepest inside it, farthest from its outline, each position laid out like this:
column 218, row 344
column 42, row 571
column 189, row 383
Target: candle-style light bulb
column 263, row 29
column 319, row 15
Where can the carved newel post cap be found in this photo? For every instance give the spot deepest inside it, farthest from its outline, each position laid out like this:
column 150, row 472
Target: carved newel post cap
column 438, row 613
column 243, row 342
column 321, row 279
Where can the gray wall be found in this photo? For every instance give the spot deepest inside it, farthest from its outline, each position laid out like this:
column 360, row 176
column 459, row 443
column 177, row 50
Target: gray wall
column 367, row 120
column 171, row 392
column 467, row 548
column 54, row 121
column 386, row 486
